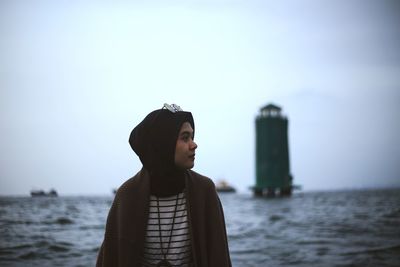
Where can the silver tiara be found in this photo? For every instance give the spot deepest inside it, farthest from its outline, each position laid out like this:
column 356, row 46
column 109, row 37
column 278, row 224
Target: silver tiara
column 173, row 107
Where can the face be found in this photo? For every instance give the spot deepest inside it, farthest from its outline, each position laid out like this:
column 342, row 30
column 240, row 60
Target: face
column 185, row 147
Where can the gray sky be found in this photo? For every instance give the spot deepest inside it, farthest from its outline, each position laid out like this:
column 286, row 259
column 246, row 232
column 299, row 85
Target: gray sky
column 77, row 76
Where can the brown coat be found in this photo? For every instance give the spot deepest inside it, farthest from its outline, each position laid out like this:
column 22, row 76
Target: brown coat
column 127, row 221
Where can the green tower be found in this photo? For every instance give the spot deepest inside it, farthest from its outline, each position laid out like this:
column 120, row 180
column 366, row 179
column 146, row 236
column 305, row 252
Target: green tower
column 272, row 153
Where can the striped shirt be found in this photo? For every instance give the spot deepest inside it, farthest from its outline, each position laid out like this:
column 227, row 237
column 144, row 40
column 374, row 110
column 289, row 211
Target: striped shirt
column 174, row 242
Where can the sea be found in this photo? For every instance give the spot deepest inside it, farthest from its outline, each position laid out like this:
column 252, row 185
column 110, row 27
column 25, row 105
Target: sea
column 329, row 228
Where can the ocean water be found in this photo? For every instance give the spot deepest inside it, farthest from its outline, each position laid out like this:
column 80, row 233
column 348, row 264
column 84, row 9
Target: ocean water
column 339, row 228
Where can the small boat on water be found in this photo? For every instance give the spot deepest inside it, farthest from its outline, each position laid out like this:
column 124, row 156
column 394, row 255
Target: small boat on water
column 42, row 193
column 223, row 186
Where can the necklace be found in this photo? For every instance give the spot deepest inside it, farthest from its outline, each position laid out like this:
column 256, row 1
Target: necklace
column 164, row 261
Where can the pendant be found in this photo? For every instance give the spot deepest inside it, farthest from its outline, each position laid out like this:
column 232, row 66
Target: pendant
column 164, row 263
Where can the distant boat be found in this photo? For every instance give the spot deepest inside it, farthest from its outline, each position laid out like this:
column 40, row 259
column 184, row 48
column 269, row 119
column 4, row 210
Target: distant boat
column 41, row 193
column 223, row 186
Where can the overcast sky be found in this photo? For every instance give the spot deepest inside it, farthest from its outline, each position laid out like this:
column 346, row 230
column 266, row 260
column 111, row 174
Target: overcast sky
column 77, row 76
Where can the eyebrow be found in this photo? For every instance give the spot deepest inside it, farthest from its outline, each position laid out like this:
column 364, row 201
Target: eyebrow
column 186, row 133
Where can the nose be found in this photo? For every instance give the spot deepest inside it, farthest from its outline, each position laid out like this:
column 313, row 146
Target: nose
column 193, row 146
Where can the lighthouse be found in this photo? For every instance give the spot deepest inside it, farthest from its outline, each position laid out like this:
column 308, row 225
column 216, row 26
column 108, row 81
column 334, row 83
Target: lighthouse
column 272, row 153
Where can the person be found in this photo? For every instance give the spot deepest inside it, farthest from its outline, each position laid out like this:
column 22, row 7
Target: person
column 167, row 214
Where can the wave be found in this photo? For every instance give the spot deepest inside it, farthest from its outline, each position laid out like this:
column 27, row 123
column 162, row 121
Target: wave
column 58, row 248
column 394, row 249
column 92, row 227
column 42, row 249
column 63, row 220
column 314, row 242
column 60, row 220
column 275, row 218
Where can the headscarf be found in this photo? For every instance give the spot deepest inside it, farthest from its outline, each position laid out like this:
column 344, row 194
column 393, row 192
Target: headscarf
column 154, row 141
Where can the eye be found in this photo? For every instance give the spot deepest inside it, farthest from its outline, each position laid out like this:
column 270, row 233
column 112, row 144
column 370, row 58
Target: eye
column 185, row 138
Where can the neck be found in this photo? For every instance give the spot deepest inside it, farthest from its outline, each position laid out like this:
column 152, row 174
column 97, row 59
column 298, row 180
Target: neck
column 167, row 183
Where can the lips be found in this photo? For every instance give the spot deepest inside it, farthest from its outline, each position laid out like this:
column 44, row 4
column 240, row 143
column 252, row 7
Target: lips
column 192, row 156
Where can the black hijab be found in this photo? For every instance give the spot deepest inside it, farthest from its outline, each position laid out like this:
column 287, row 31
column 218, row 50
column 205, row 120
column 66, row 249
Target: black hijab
column 154, row 141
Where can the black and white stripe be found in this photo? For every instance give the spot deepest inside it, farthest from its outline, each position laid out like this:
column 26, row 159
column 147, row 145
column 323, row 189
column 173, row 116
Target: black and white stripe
column 179, row 252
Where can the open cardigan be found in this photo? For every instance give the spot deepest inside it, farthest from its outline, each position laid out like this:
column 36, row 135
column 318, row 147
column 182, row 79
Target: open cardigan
column 127, row 221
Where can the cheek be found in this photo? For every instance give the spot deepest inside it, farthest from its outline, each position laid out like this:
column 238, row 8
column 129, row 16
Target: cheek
column 179, row 151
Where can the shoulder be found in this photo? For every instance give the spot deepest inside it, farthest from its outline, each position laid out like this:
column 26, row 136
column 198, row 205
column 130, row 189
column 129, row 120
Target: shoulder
column 138, row 183
column 200, row 180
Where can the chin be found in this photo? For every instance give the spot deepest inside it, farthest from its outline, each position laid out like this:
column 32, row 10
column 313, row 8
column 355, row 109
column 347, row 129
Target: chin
column 190, row 166
column 185, row 167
